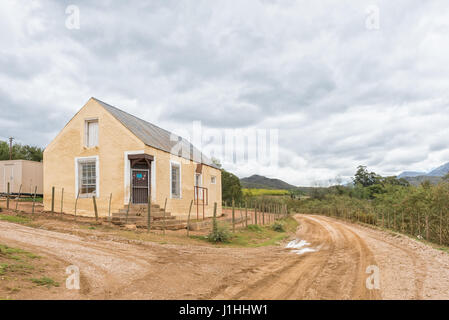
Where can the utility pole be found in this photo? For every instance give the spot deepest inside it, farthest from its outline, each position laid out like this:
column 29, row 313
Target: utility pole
column 10, row 147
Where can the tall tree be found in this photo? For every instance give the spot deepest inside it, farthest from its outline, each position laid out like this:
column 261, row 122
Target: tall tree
column 364, row 178
column 230, row 186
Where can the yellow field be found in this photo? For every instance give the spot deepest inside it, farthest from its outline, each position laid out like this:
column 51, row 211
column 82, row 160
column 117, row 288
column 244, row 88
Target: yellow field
column 264, row 192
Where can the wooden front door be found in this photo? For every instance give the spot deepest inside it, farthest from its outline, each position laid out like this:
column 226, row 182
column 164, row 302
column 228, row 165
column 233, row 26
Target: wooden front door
column 140, row 183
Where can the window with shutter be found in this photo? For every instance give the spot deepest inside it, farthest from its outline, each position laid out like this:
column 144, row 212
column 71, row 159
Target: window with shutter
column 91, row 133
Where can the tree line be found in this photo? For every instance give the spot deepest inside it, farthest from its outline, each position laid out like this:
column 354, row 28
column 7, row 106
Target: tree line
column 21, row 152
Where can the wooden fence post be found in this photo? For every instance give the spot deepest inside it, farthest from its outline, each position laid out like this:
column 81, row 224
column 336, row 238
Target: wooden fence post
column 241, row 214
column 7, row 197
column 246, row 213
column 95, row 208
column 148, row 213
column 62, row 201
column 441, row 226
column 34, row 199
column 18, row 198
column 419, row 226
column 233, row 216
column 264, row 207
column 188, row 218
column 163, row 220
column 214, row 220
column 52, row 199
column 76, row 202
column 255, row 213
column 403, row 222
column 427, row 227
column 129, row 204
column 109, row 209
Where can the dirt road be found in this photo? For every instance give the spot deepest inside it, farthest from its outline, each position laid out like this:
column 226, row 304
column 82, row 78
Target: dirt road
column 115, row 269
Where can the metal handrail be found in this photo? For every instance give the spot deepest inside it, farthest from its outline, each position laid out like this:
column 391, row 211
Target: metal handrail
column 205, row 198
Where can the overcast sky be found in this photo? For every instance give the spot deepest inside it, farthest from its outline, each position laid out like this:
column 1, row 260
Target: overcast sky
column 343, row 88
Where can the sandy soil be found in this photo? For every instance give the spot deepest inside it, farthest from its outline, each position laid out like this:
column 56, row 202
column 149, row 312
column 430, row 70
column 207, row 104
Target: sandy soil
column 112, row 268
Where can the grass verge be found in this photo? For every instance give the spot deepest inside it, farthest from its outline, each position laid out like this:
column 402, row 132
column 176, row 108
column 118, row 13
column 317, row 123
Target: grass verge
column 45, row 281
column 15, row 219
column 259, row 236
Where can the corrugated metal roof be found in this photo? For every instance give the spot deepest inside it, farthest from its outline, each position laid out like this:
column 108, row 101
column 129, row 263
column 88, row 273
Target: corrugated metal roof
column 157, row 137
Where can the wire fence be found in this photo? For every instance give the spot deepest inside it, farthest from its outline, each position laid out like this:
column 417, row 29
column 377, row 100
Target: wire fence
column 236, row 215
column 254, row 212
column 431, row 225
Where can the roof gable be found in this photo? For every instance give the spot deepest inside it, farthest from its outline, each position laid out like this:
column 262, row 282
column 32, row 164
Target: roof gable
column 155, row 136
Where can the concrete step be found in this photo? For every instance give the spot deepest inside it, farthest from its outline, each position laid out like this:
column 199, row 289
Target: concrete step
column 143, row 217
column 142, row 206
column 141, row 223
column 140, row 218
column 159, row 215
column 144, row 212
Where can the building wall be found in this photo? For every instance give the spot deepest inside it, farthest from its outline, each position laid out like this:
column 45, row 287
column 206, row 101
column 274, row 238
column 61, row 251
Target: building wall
column 10, row 171
column 162, row 187
column 115, row 142
column 24, row 172
column 59, row 161
column 32, row 176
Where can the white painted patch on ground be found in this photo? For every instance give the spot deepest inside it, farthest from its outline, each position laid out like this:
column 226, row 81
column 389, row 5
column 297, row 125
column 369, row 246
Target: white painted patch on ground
column 297, row 244
column 304, row 250
column 300, row 246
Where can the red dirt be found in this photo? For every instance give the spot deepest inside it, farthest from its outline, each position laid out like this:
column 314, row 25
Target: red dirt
column 114, row 267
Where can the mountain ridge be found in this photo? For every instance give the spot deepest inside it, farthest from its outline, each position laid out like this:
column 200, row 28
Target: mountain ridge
column 261, row 182
column 440, row 171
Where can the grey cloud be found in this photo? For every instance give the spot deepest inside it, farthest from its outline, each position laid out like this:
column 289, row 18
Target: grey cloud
column 355, row 96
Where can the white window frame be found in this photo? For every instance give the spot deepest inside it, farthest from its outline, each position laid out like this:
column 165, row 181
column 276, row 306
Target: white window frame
column 97, row 176
column 178, row 164
column 86, row 132
column 201, row 178
column 214, row 179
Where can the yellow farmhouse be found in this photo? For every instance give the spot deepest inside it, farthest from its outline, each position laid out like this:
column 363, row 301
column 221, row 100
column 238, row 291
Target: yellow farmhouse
column 122, row 161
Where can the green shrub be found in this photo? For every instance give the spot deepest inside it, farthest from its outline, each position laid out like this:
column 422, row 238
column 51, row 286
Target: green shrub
column 220, row 233
column 254, row 227
column 278, row 227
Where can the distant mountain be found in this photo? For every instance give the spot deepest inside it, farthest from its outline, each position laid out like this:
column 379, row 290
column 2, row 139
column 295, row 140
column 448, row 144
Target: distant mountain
column 441, row 171
column 407, row 174
column 416, row 181
column 261, row 182
column 438, row 172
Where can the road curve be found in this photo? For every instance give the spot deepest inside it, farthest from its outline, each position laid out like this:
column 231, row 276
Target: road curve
column 118, row 269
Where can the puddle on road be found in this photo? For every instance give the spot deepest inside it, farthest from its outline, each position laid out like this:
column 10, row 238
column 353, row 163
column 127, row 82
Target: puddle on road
column 300, row 246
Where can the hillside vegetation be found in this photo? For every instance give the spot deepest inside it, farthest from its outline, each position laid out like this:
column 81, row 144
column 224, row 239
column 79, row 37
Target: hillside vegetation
column 264, row 192
column 420, row 211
